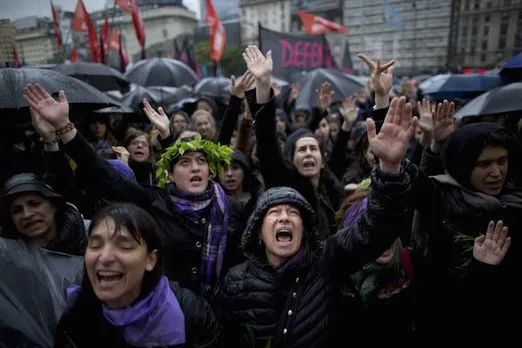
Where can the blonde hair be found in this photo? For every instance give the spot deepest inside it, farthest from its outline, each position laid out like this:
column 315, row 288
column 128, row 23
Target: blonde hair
column 202, row 113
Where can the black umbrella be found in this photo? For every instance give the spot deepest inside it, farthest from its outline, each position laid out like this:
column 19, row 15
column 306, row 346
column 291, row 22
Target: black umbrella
column 343, row 85
column 497, row 101
column 172, row 95
column 134, row 98
column 161, row 72
column 82, row 97
column 218, row 87
column 100, row 76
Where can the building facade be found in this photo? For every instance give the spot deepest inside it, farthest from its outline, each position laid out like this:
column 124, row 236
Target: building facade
column 271, row 14
column 227, row 10
column 486, row 33
column 413, row 32
column 36, row 40
column 7, row 39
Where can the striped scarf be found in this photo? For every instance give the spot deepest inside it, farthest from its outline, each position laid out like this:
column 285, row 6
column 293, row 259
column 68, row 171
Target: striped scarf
column 194, row 206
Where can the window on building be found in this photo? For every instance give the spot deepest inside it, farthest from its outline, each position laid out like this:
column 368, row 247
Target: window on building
column 474, row 20
column 477, row 4
column 507, row 3
column 474, row 30
column 487, row 18
column 483, row 57
column 466, row 4
column 505, row 16
column 503, row 29
column 489, row 4
column 465, row 31
column 486, row 30
column 484, row 45
column 502, row 43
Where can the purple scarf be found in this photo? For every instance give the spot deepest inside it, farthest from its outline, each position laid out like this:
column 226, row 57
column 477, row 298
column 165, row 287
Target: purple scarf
column 292, row 263
column 156, row 320
column 194, row 206
column 354, row 212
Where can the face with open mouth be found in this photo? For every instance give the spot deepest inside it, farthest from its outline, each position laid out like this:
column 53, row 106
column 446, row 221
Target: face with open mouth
column 115, row 263
column 190, row 173
column 490, row 171
column 307, row 157
column 33, row 216
column 282, row 232
column 139, row 149
column 232, row 177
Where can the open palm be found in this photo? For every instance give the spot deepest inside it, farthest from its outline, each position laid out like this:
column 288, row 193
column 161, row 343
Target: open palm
column 492, row 247
column 259, row 65
column 159, row 118
column 56, row 113
column 391, row 143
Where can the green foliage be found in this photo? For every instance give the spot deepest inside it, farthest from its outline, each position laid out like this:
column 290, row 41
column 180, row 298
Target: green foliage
column 232, row 62
column 217, row 157
column 251, row 338
column 465, row 244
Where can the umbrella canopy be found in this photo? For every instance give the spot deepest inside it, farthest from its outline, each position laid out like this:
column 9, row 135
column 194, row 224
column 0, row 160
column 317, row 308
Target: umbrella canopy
column 135, row 97
column 81, row 96
column 172, row 95
column 459, row 85
column 497, row 101
column 187, row 105
column 41, row 66
column 100, row 76
column 161, row 72
column 32, row 292
column 116, row 110
column 343, row 85
column 214, row 87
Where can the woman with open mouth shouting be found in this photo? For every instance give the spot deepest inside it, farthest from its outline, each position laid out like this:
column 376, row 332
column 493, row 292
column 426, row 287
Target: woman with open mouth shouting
column 124, row 299
column 202, row 225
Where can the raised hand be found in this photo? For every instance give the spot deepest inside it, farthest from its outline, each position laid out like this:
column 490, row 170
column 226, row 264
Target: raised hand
column 382, row 81
column 295, row 90
column 159, row 119
column 426, row 111
column 443, row 123
column 238, row 88
column 259, row 65
column 325, row 96
column 349, row 110
column 56, row 113
column 492, row 247
column 391, row 143
column 42, row 127
column 121, row 153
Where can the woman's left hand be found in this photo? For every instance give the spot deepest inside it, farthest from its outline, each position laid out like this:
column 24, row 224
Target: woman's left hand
column 492, row 247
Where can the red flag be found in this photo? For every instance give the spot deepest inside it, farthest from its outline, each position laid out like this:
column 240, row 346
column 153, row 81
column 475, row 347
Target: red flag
column 15, row 56
column 56, row 26
column 218, row 36
column 315, row 25
column 74, row 55
column 82, row 22
column 132, row 7
column 114, row 44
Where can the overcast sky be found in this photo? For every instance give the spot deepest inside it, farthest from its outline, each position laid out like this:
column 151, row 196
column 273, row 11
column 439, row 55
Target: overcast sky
column 14, row 9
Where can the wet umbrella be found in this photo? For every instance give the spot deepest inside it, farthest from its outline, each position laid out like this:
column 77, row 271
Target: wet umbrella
column 465, row 86
column 161, row 72
column 100, row 76
column 116, row 110
column 497, row 101
column 187, row 105
column 343, row 85
column 134, row 98
column 172, row 95
column 81, row 96
column 32, row 292
column 297, row 77
column 214, row 87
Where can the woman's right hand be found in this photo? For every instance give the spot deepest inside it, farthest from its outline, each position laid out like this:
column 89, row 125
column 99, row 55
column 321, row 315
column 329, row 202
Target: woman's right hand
column 121, row 153
column 42, row 127
column 159, row 119
column 492, row 247
column 56, row 113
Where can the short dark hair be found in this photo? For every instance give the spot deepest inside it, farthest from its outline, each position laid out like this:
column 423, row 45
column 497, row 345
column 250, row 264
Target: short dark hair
column 500, row 138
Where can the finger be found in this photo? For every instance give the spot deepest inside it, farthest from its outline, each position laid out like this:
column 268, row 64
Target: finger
column 457, row 122
column 269, row 55
column 503, row 237
column 370, row 128
column 413, row 127
column 506, row 246
column 420, row 106
column 162, row 112
column 367, row 61
column 387, row 65
column 451, row 110
column 406, row 116
column 498, row 229
column 43, row 93
column 378, row 67
column 399, row 113
column 489, row 232
column 445, row 109
column 61, row 97
column 480, row 239
column 438, row 114
column 257, row 52
column 391, row 69
column 391, row 111
column 30, row 98
column 246, row 58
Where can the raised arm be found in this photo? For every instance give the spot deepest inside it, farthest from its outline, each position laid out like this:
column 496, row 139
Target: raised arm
column 110, row 182
column 386, row 215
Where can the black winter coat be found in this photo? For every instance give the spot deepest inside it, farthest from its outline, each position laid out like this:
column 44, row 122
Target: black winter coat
column 184, row 239
column 201, row 326
column 297, row 308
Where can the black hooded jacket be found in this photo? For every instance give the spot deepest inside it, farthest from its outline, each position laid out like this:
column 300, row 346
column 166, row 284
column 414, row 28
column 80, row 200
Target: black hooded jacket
column 296, row 306
column 450, row 215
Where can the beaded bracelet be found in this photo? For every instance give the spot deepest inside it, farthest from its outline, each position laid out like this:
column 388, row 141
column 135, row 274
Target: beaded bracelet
column 50, row 143
column 65, row 129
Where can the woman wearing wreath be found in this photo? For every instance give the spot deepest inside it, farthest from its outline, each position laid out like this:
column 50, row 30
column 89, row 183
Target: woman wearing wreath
column 202, row 225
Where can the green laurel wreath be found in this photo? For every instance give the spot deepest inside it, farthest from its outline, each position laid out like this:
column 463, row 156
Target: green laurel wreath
column 217, row 157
